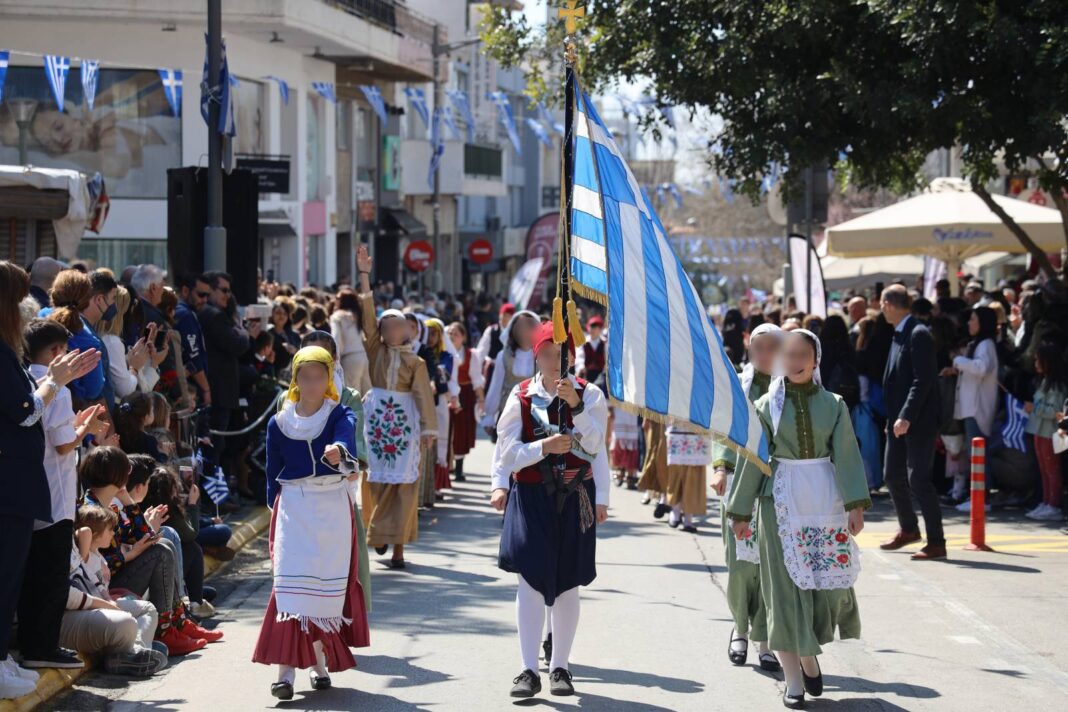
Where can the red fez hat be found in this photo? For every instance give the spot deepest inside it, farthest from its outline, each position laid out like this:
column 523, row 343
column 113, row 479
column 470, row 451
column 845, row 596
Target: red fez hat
column 543, row 336
column 507, row 308
column 594, row 321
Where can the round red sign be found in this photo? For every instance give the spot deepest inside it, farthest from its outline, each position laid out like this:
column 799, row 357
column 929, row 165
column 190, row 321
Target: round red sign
column 480, row 251
column 418, row 256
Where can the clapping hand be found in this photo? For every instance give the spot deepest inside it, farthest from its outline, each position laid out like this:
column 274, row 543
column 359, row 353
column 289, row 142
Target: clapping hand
column 156, row 516
column 138, row 355
column 72, row 365
column 91, row 420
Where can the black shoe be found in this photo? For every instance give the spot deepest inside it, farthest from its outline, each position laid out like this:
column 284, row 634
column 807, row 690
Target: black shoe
column 319, row 682
column 282, row 690
column 560, row 683
column 814, row 685
column 793, row 702
column 210, row 593
column 737, row 657
column 547, row 648
column 381, row 549
column 527, row 684
column 459, row 477
column 768, row 662
column 660, row 510
column 458, row 471
column 689, row 528
column 58, row 658
column 396, row 563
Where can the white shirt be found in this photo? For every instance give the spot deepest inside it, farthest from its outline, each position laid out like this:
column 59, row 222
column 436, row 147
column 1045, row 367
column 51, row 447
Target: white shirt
column 977, row 386
column 346, row 335
column 522, row 367
column 580, row 354
column 474, row 368
column 123, row 379
column 512, row 454
column 61, row 470
column 484, row 342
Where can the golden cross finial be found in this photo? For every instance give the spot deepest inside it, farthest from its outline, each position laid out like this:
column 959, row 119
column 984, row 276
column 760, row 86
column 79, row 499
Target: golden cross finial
column 571, row 11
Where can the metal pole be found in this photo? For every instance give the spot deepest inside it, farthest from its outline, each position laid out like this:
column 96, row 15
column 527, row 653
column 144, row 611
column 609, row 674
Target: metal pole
column 435, row 204
column 808, row 239
column 214, row 232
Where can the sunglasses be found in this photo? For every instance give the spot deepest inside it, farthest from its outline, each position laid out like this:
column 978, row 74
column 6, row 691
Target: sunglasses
column 203, row 295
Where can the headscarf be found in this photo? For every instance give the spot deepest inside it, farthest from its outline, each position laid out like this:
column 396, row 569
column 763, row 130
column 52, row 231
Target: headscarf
column 394, row 351
column 437, row 326
column 312, row 354
column 748, row 371
column 507, row 331
column 778, row 384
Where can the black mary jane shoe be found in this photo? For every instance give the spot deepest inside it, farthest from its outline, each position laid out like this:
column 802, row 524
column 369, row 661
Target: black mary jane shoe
column 768, row 662
column 560, row 683
column 675, row 524
column 735, row 656
column 396, row 564
column 320, row 682
column 381, row 549
column 814, row 685
column 547, row 648
column 527, row 684
column 793, row 702
column 689, row 528
column 660, row 510
column 282, row 690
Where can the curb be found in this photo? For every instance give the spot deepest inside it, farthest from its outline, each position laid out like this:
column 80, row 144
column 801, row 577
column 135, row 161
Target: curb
column 53, row 681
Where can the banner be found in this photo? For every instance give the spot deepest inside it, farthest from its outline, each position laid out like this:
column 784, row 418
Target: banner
column 540, row 131
column 524, row 282
column 541, row 244
column 934, row 269
column 56, row 69
column 459, row 100
column 798, row 253
column 4, row 57
column 89, row 71
column 218, row 89
column 374, row 97
column 450, row 121
column 172, row 88
column 283, row 88
column 417, row 101
column 325, row 90
column 506, row 117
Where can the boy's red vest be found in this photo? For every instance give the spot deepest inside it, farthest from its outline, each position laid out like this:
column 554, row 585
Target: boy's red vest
column 532, row 475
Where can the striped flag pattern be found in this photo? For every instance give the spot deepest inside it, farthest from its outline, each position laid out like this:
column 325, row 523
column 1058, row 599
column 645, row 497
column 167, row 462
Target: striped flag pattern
column 283, row 88
column 325, row 90
column 374, row 97
column 56, row 69
column 4, row 57
column 507, row 118
column 220, row 90
column 172, row 88
column 539, row 131
column 90, row 71
column 417, row 100
column 215, row 486
column 665, row 358
column 1015, row 422
column 463, row 105
column 437, row 146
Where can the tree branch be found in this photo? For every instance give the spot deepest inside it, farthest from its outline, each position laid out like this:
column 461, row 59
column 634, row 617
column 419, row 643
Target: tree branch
column 1040, row 257
column 1057, row 193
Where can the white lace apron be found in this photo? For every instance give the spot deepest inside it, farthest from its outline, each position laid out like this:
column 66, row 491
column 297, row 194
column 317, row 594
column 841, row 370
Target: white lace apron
column 391, row 428
column 685, row 448
column 746, row 549
column 311, row 558
column 813, row 525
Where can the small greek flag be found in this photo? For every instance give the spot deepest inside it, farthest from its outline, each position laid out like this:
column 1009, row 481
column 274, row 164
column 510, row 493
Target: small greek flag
column 437, row 147
column 374, row 97
column 539, row 131
column 450, row 121
column 325, row 90
column 90, row 71
column 417, row 100
column 459, row 100
column 220, row 91
column 56, row 69
column 216, row 487
column 673, row 191
column 283, row 88
column 547, row 117
column 172, row 88
column 1015, row 422
column 507, row 118
column 4, row 57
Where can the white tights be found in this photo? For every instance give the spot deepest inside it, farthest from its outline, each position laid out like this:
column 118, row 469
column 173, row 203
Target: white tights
column 287, row 673
column 530, row 610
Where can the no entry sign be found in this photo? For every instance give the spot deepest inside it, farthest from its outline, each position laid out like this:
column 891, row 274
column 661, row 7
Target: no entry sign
column 418, row 256
column 480, row 252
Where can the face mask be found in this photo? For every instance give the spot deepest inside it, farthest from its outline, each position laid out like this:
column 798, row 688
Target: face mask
column 110, row 312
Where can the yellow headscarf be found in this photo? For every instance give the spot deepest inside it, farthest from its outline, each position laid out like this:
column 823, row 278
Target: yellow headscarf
column 312, row 354
column 439, row 327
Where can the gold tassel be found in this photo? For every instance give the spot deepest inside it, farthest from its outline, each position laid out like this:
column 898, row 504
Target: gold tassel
column 577, row 334
column 559, row 333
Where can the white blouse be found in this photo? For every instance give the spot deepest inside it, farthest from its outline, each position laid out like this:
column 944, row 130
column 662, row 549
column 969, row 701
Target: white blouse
column 346, row 333
column 124, row 380
column 522, row 367
column 977, row 386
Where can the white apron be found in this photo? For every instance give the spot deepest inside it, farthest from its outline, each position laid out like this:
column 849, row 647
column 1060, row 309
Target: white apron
column 311, row 561
column 625, row 431
column 391, row 428
column 443, row 413
column 685, row 448
column 746, row 549
column 813, row 525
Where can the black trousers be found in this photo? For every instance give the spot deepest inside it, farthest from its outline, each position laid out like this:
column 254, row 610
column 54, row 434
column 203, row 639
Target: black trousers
column 909, row 473
column 44, row 589
column 193, row 561
column 15, row 534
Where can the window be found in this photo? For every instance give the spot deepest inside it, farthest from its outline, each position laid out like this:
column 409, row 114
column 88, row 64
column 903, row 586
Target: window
column 117, row 254
column 482, row 161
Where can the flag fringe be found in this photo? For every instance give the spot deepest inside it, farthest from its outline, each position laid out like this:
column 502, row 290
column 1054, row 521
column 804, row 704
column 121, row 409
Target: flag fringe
column 720, row 438
column 591, row 294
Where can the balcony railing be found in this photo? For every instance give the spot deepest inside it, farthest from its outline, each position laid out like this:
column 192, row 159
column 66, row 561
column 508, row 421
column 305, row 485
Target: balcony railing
column 392, row 16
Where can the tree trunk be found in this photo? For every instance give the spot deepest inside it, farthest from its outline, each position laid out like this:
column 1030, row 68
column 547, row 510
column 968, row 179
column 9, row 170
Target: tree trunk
column 1040, row 257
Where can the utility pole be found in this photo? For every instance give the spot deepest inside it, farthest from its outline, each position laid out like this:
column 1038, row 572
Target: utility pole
column 214, row 232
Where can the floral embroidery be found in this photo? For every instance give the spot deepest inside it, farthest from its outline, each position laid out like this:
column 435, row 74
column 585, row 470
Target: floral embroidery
column 687, row 449
column 823, row 548
column 390, row 430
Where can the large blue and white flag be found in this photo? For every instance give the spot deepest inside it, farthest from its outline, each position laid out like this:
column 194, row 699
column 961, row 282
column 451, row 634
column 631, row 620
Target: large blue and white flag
column 218, row 89
column 283, row 88
column 4, row 58
column 325, row 90
column 540, row 131
column 1015, row 422
column 56, row 69
column 374, row 97
column 507, row 118
column 437, row 146
column 90, row 71
column 460, row 101
column 665, row 357
column 417, row 100
column 172, row 88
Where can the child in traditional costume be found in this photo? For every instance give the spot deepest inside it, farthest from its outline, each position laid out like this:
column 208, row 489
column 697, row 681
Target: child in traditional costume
column 469, row 378
column 743, row 556
column 316, row 611
column 399, row 418
column 623, row 448
column 441, row 365
column 514, row 363
column 550, row 516
column 654, row 468
column 592, row 357
column 809, row 510
column 688, row 456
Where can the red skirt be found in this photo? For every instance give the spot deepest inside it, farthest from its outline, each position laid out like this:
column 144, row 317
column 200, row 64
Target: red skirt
column 623, row 458
column 286, row 644
column 463, row 422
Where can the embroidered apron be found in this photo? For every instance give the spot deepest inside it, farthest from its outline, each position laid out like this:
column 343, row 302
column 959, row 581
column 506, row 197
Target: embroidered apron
column 311, row 562
column 689, row 449
column 391, row 428
column 745, row 549
column 813, row 525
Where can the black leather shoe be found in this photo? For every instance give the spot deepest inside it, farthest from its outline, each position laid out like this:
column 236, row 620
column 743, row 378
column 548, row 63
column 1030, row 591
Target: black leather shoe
column 282, row 690
column 768, row 662
column 660, row 510
column 560, row 683
column 527, row 684
column 381, row 549
column 319, row 682
column 793, row 702
column 813, row 685
column 547, row 648
column 737, row 657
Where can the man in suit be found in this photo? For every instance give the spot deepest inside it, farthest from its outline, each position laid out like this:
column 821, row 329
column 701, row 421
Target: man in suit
column 225, row 340
column 912, row 406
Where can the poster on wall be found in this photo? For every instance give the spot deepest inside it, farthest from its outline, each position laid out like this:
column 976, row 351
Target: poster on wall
column 131, row 135
column 391, row 164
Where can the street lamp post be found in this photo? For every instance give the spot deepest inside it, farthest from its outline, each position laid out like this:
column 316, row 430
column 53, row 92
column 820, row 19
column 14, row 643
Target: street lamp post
column 23, row 111
column 214, row 232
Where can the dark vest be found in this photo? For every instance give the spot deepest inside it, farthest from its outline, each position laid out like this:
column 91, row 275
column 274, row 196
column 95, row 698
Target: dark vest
column 532, row 474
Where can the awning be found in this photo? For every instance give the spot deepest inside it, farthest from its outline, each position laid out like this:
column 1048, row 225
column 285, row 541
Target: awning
column 275, row 224
column 400, row 220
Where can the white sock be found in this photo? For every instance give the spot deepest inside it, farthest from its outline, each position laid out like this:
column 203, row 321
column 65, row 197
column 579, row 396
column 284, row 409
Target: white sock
column 287, row 673
column 791, row 670
column 739, row 646
column 320, row 659
column 530, row 617
column 565, row 617
column 762, row 646
column 674, row 516
column 687, row 520
column 663, row 498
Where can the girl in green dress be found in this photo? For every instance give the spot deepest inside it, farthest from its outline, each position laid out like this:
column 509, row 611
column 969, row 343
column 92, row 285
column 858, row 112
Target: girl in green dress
column 809, row 509
column 743, row 557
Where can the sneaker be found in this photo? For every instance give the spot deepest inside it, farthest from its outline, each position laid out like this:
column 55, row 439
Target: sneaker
column 140, row 662
column 1049, row 514
column 202, row 609
column 527, row 684
column 58, row 658
column 966, row 506
column 192, row 630
column 1037, row 511
column 13, row 685
column 20, row 671
column 560, row 683
column 179, row 644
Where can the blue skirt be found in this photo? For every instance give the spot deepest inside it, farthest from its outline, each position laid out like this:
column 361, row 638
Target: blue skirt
column 547, row 549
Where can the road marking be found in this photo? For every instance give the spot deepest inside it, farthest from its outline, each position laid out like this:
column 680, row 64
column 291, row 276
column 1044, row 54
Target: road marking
column 965, row 640
column 1014, row 543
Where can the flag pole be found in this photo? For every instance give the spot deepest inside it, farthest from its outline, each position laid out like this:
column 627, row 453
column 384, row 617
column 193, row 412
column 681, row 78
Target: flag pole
column 568, row 157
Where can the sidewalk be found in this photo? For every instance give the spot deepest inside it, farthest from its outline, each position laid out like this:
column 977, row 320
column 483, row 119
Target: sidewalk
column 248, row 525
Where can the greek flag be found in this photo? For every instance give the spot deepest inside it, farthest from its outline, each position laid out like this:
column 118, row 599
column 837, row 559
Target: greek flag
column 504, row 113
column 459, row 100
column 374, row 97
column 4, row 57
column 665, row 357
column 215, row 486
column 1015, row 421
column 172, row 87
column 450, row 121
column 219, row 90
column 90, row 71
column 417, row 100
column 673, row 191
column 437, row 147
column 547, row 117
column 283, row 88
column 539, row 131
column 325, row 90
column 56, row 69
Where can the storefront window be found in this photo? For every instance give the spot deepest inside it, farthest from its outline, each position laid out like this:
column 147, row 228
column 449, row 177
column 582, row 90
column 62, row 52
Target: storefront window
column 251, row 123
column 117, row 254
